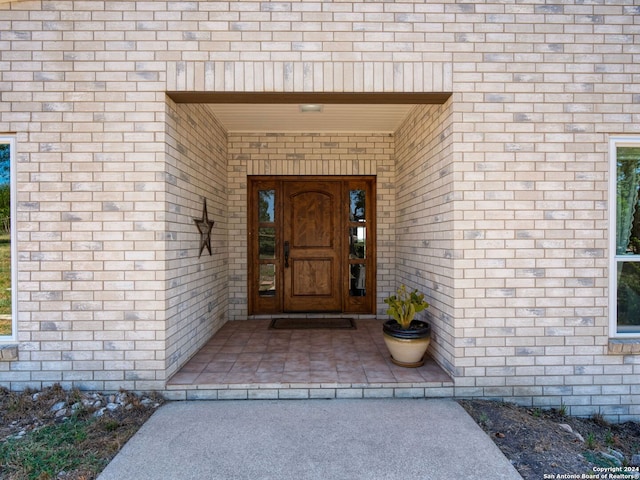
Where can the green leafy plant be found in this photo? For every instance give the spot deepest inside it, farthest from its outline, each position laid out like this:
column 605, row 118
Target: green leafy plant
column 404, row 306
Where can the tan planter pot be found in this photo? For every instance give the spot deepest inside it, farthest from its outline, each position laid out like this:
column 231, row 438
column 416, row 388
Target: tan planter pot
column 407, row 347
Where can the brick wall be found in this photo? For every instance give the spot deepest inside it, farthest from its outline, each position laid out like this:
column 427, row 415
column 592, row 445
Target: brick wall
column 537, row 90
column 196, row 286
column 424, row 220
column 309, row 154
column 540, row 88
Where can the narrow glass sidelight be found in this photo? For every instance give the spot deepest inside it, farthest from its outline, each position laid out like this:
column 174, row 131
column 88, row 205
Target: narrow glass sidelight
column 357, row 231
column 267, row 287
column 358, row 280
column 267, row 243
column 357, row 205
column 357, row 243
column 266, row 205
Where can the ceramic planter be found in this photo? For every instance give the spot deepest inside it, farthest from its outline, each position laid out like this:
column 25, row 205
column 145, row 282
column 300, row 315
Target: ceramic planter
column 407, row 346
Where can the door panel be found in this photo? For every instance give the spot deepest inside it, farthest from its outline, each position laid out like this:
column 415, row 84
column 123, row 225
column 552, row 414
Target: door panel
column 311, row 216
column 312, row 277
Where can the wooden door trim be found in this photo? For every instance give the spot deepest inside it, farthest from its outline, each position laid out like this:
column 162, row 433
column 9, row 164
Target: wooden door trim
column 258, row 304
column 367, row 304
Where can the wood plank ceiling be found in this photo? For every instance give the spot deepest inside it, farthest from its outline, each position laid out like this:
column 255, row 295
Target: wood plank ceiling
column 284, row 112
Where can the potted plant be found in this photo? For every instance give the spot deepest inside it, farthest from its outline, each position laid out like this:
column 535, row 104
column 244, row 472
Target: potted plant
column 406, row 338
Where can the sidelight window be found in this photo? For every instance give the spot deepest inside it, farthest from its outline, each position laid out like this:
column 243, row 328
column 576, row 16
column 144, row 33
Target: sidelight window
column 267, row 243
column 357, row 226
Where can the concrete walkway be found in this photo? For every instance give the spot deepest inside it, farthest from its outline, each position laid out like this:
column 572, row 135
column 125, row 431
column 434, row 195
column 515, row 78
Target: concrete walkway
column 311, row 439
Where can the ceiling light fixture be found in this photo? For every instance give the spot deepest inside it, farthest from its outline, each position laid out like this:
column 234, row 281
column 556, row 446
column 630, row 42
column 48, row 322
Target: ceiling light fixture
column 311, row 107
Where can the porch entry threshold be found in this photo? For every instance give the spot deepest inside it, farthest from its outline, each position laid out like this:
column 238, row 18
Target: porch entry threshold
column 246, row 359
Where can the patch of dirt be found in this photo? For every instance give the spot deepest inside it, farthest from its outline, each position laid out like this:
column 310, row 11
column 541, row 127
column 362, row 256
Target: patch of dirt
column 108, row 420
column 539, row 443
column 547, row 442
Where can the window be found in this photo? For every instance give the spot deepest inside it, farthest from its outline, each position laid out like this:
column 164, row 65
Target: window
column 357, row 242
column 8, row 270
column 624, row 276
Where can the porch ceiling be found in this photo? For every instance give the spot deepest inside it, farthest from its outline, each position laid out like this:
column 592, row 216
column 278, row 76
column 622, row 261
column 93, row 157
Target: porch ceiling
column 281, row 112
column 288, row 118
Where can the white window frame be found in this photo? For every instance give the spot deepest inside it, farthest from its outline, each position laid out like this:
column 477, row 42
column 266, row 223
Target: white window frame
column 614, row 143
column 11, row 141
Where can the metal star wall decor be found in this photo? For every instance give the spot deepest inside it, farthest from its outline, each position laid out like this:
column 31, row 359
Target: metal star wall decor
column 204, row 226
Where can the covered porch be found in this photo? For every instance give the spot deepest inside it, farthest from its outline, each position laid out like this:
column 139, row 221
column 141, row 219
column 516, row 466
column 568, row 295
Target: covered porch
column 212, row 347
column 247, row 360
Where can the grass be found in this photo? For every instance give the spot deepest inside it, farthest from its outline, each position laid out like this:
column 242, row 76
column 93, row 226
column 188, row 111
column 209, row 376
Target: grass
column 37, row 443
column 5, row 283
column 5, row 327
column 50, row 450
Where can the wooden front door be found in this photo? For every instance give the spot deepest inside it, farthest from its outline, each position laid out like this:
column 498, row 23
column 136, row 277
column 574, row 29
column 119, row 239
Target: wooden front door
column 311, row 244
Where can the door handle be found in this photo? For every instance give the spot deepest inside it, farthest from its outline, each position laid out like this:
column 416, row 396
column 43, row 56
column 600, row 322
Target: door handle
column 286, row 254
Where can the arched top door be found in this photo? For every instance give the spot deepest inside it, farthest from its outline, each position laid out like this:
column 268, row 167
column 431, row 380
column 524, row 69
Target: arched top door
column 312, row 267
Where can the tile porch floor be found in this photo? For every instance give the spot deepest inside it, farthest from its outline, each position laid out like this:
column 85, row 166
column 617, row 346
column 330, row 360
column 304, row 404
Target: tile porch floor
column 246, row 359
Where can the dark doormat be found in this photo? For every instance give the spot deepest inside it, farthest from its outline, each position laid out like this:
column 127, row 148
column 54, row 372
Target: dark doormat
column 311, row 323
